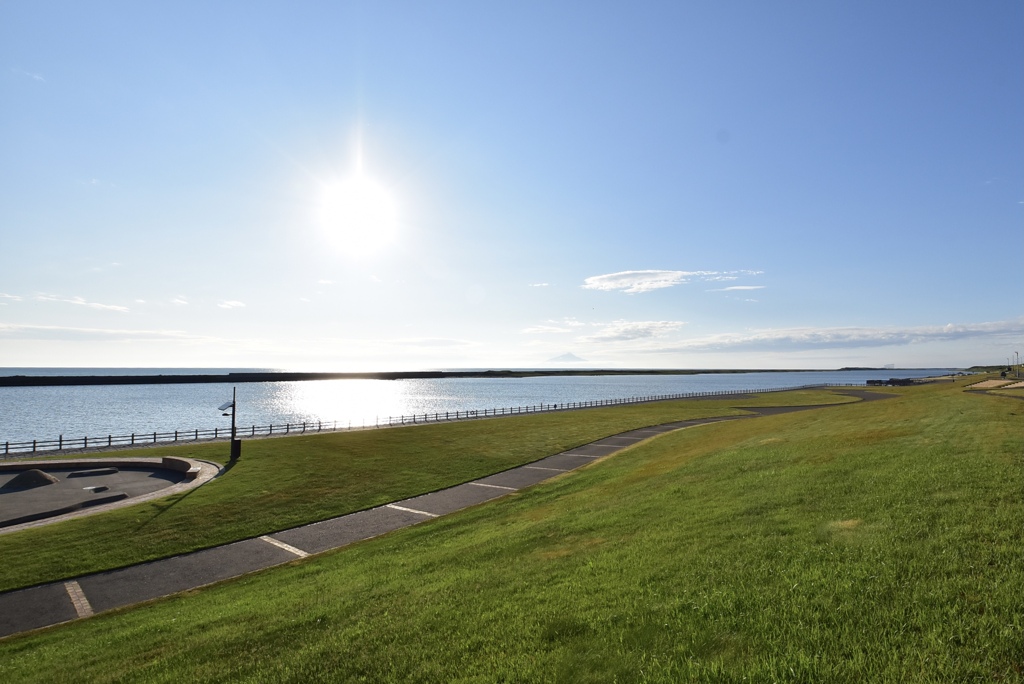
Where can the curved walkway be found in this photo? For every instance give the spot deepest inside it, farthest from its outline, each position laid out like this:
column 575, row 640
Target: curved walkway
column 45, row 605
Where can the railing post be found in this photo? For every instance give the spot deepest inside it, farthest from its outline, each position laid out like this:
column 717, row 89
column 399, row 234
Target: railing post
column 33, row 446
column 85, row 442
column 133, row 438
column 60, row 442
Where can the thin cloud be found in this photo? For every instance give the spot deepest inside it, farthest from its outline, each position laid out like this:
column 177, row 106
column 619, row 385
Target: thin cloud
column 79, row 301
column 635, row 282
column 734, row 288
column 627, row 331
column 13, row 298
column 180, row 301
column 324, row 281
column 51, row 332
column 29, row 74
column 538, row 285
column 429, row 342
column 563, row 326
column 544, row 329
column 231, row 304
column 842, row 338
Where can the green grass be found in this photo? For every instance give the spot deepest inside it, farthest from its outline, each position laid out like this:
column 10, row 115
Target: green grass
column 287, row 482
column 869, row 542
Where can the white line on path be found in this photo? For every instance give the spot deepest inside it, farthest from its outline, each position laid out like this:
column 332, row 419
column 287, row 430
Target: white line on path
column 78, row 599
column 557, row 470
column 481, row 484
column 287, row 547
column 411, row 510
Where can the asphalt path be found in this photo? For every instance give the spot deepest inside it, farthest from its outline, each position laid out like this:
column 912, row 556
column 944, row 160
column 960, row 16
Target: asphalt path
column 45, row 605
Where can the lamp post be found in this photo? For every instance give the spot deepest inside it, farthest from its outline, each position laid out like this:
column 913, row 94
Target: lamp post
column 236, row 444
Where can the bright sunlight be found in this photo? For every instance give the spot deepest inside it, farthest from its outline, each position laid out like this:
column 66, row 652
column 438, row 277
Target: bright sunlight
column 358, row 214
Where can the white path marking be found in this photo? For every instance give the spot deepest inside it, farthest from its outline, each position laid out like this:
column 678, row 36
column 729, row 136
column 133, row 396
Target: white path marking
column 287, row 547
column 78, row 599
column 411, row 510
column 557, row 470
column 481, row 484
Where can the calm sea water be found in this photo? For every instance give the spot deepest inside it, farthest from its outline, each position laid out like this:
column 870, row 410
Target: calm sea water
column 28, row 413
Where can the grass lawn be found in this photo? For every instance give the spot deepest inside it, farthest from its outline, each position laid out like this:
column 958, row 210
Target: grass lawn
column 870, row 542
column 286, row 482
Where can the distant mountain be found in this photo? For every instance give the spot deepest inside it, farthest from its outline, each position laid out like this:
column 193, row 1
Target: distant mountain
column 568, row 357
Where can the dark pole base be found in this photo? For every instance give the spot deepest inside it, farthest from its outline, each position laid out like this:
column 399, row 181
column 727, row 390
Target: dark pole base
column 236, row 449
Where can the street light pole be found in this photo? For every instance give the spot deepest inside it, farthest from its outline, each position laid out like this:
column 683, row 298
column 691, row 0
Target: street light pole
column 236, row 444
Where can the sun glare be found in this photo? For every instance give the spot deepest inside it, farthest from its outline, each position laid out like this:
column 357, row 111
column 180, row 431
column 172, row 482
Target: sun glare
column 358, row 214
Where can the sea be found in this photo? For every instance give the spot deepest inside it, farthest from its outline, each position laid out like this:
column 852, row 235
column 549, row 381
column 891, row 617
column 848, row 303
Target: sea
column 43, row 413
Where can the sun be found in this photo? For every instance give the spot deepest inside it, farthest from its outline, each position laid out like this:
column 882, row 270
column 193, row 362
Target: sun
column 358, row 214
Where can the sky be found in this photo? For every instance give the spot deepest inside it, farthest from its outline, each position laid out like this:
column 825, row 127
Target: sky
column 352, row 186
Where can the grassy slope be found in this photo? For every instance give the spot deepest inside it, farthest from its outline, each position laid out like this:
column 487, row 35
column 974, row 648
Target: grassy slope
column 875, row 542
column 283, row 483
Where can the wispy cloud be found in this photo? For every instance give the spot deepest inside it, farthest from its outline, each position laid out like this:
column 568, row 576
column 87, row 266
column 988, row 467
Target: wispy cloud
column 231, row 304
column 13, row 298
column 180, row 301
column 58, row 332
column 544, row 329
column 734, row 288
column 429, row 342
column 563, row 326
column 635, row 282
column 79, row 301
column 851, row 337
column 28, row 74
column 538, row 285
column 324, row 281
column 626, row 331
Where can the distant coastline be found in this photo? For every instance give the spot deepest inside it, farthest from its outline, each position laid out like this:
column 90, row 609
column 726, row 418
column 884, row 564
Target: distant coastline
column 285, row 376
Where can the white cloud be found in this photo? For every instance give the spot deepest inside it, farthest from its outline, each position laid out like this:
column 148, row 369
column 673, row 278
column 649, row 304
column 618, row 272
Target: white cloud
column 231, row 304
column 324, row 281
column 848, row 337
column 634, row 282
column 626, row 331
column 79, row 301
column 179, row 300
column 14, row 298
column 538, row 284
column 733, row 288
column 542, row 329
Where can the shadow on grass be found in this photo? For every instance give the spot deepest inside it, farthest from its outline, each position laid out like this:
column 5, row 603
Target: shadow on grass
column 165, row 507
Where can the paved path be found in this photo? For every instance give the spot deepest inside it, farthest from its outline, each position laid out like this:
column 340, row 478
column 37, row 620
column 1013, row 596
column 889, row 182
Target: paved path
column 22, row 610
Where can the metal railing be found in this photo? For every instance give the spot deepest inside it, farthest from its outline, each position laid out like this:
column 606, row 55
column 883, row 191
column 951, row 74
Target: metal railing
column 306, row 427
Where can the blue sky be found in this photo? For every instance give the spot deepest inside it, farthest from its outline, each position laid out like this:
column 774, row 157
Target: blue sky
column 402, row 185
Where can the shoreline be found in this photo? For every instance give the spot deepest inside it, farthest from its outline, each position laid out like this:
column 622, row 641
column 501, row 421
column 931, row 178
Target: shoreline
column 279, row 376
